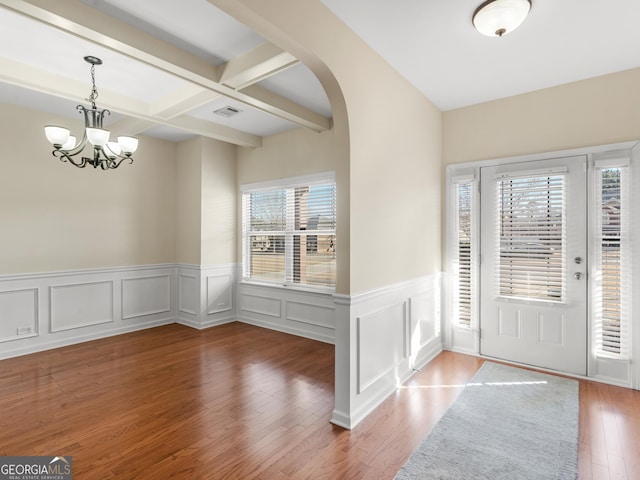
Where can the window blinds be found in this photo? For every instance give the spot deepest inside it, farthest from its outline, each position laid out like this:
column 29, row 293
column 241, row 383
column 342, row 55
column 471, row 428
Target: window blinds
column 289, row 233
column 531, row 241
column 612, row 260
column 463, row 212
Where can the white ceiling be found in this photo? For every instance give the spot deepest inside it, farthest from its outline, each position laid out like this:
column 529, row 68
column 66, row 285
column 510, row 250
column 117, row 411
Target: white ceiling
column 430, row 42
column 435, row 46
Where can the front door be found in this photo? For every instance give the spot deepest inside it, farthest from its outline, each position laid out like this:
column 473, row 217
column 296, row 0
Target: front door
column 533, row 288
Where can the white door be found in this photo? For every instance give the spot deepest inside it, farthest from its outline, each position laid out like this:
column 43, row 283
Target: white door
column 533, row 288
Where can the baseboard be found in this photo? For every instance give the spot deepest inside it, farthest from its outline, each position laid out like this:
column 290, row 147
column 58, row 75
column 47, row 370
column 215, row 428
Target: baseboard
column 290, row 330
column 202, row 326
column 41, row 347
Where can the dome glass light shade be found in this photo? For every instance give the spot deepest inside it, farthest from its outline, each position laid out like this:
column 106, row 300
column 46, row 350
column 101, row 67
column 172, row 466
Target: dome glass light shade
column 129, row 144
column 57, row 135
column 97, row 136
column 496, row 18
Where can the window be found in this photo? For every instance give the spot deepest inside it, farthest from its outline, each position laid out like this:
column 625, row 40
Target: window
column 612, row 259
column 531, row 244
column 289, row 232
column 463, row 283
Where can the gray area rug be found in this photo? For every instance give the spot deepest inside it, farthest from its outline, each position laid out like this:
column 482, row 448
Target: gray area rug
column 508, row 423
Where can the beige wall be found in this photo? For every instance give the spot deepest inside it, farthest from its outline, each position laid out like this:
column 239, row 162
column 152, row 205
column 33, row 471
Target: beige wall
column 54, row 216
column 188, row 201
column 290, row 154
column 219, row 194
column 388, row 160
column 596, row 111
column 206, row 202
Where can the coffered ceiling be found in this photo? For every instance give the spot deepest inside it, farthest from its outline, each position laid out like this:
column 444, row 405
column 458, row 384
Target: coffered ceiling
column 168, row 65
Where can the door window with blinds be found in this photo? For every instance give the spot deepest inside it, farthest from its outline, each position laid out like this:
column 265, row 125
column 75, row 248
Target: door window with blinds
column 611, row 281
column 289, row 232
column 531, row 240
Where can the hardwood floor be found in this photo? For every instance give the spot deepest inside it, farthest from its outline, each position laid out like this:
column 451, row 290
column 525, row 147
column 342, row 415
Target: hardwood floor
column 236, row 401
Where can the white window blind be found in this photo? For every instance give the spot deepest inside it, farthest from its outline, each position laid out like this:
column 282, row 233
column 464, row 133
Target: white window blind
column 531, row 241
column 289, row 232
column 463, row 254
column 612, row 261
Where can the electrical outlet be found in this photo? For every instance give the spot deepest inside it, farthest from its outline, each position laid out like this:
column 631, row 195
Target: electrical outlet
column 24, row 330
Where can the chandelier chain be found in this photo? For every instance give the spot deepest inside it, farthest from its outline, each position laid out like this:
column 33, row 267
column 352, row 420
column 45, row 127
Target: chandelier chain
column 94, row 90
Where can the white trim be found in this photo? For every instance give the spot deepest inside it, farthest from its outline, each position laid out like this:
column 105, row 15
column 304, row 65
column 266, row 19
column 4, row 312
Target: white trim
column 382, row 337
column 533, row 173
column 594, row 150
column 289, row 182
column 616, row 154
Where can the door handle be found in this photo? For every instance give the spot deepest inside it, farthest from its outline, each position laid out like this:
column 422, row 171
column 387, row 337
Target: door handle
column 577, row 276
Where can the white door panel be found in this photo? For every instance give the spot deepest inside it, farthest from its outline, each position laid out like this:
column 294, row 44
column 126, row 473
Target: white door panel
column 533, row 288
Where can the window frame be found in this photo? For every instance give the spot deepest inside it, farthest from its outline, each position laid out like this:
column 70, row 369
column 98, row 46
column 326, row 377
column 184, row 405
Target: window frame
column 287, row 184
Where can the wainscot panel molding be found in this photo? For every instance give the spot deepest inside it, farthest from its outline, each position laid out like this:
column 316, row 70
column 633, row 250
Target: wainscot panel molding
column 206, row 294
column 18, row 314
column 47, row 310
column 298, row 312
column 80, row 305
column 146, row 295
column 382, row 337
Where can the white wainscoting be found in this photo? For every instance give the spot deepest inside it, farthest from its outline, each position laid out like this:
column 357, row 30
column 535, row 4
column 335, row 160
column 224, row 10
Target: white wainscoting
column 299, row 312
column 381, row 337
column 19, row 313
column 48, row 310
column 206, row 295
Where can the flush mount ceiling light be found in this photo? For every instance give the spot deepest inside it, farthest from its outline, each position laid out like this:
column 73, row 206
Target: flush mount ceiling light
column 496, row 18
column 106, row 154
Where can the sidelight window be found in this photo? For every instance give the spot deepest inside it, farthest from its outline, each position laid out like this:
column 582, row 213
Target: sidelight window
column 611, row 280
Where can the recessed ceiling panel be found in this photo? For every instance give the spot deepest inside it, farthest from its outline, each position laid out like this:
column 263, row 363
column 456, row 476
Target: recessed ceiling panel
column 194, row 25
column 32, row 43
column 249, row 120
column 301, row 86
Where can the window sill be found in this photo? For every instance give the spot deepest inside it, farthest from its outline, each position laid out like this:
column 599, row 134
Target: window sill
column 325, row 291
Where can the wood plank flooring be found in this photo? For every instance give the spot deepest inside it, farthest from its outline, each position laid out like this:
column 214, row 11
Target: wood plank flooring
column 236, row 401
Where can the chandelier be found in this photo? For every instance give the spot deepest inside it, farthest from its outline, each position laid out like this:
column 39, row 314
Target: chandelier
column 106, row 154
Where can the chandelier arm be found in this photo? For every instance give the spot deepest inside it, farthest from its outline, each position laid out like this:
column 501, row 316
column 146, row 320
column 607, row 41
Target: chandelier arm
column 116, row 164
column 65, row 157
column 79, row 147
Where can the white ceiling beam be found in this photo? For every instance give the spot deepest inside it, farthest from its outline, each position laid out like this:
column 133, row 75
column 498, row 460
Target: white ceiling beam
column 183, row 101
column 35, row 79
column 258, row 64
column 270, row 98
column 74, row 17
column 262, row 62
